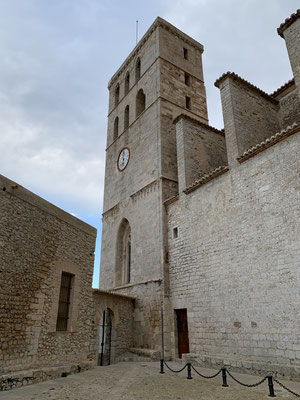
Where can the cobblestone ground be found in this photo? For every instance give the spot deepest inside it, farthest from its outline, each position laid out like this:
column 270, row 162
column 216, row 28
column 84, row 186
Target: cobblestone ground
column 141, row 380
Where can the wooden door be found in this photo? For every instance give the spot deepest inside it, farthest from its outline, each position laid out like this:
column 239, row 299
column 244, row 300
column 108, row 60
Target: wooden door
column 182, row 332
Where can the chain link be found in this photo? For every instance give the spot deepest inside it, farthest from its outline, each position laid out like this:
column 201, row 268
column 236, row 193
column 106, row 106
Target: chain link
column 173, row 369
column 244, row 384
column 204, row 376
column 284, row 387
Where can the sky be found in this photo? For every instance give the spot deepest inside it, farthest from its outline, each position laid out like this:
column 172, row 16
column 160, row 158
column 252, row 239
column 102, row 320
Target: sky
column 56, row 60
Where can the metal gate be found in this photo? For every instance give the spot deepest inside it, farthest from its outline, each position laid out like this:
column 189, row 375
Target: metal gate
column 105, row 335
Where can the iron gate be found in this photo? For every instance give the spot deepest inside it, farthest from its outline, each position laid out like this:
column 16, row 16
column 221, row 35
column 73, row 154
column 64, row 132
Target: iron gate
column 105, row 335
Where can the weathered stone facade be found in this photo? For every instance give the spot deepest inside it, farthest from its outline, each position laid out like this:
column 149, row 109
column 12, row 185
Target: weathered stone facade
column 214, row 215
column 38, row 242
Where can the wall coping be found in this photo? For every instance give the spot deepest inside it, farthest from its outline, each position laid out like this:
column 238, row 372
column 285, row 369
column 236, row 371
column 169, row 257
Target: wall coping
column 288, row 22
column 236, row 78
column 159, row 22
column 26, row 195
column 171, row 200
column 196, row 122
column 278, row 137
column 109, row 293
column 284, row 87
column 206, row 178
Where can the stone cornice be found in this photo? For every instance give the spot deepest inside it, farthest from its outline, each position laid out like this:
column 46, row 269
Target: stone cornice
column 171, row 200
column 195, row 121
column 282, row 88
column 288, row 22
column 109, row 293
column 159, row 22
column 206, row 178
column 236, row 78
column 278, row 137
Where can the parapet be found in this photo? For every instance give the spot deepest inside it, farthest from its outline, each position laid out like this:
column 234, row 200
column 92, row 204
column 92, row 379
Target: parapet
column 288, row 22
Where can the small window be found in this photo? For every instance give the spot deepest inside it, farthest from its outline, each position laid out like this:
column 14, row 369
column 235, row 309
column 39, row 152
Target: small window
column 64, row 302
column 140, row 103
column 175, row 233
column 188, row 102
column 185, row 53
column 116, row 128
column 126, row 117
column 117, row 95
column 127, row 81
column 137, row 70
column 187, row 79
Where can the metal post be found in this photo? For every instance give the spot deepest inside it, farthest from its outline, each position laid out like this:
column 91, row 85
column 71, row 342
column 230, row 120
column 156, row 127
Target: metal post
column 224, row 377
column 162, row 366
column 271, row 387
column 102, row 340
column 189, row 370
column 162, row 336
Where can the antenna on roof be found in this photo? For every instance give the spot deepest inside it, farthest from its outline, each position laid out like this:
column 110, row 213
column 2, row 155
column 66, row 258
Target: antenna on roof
column 137, row 31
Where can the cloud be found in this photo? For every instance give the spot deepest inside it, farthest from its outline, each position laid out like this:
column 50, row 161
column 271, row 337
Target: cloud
column 238, row 36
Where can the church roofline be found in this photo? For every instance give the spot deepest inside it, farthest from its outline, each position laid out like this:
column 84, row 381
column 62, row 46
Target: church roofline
column 195, row 121
column 283, row 88
column 245, row 83
column 288, row 22
column 159, row 22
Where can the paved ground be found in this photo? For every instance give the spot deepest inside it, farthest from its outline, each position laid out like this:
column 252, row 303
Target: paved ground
column 141, row 380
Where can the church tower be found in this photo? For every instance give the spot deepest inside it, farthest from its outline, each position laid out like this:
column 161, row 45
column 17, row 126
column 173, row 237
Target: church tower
column 160, row 79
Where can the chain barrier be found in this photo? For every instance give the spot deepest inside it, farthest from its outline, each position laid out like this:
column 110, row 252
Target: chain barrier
column 224, row 370
column 172, row 370
column 204, row 376
column 244, row 384
column 284, row 387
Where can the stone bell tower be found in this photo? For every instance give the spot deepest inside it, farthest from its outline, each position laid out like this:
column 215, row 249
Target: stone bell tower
column 159, row 80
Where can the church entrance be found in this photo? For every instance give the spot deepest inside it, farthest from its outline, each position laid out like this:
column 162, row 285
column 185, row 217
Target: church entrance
column 182, row 332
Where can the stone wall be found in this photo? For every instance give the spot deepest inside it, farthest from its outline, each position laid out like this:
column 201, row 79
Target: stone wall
column 235, row 263
column 121, row 308
column 250, row 115
column 38, row 241
column 201, row 149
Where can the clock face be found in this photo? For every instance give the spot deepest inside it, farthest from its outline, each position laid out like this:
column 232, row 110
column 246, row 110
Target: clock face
column 123, row 159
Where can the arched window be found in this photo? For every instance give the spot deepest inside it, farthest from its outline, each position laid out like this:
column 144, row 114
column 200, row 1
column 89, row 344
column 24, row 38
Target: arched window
column 116, row 128
column 126, row 117
column 117, row 95
column 123, row 259
column 140, row 103
column 127, row 81
column 137, row 69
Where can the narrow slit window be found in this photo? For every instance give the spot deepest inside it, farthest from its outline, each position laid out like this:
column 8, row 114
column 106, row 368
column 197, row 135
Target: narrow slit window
column 64, row 302
column 137, row 70
column 187, row 79
column 117, row 95
column 175, row 233
column 126, row 118
column 188, row 102
column 185, row 54
column 127, row 81
column 116, row 128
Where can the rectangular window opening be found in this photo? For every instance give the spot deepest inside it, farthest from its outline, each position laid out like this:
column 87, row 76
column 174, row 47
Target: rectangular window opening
column 175, row 233
column 187, row 79
column 188, row 102
column 64, row 302
column 185, row 53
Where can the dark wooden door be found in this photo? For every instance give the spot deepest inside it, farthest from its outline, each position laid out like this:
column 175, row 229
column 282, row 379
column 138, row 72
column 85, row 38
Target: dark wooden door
column 182, row 332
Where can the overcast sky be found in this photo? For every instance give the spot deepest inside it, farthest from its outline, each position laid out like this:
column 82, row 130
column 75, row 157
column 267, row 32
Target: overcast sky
column 56, row 57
